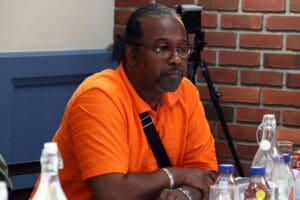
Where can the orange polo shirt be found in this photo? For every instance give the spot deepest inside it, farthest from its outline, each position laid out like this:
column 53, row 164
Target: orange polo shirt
column 101, row 131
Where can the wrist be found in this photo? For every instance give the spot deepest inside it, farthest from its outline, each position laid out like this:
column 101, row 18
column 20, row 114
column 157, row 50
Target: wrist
column 188, row 195
column 170, row 177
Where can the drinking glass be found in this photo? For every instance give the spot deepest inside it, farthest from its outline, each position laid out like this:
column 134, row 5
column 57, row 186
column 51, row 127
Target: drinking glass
column 285, row 147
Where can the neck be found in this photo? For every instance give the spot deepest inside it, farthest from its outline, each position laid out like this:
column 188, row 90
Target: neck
column 148, row 93
column 152, row 98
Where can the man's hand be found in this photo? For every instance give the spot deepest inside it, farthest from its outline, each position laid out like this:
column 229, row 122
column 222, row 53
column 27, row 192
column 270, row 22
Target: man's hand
column 200, row 179
column 168, row 194
column 197, row 181
column 171, row 194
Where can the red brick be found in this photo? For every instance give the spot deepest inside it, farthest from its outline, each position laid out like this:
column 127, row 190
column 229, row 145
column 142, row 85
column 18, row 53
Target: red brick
column 293, row 80
column 241, row 58
column 264, row 6
column 222, row 148
column 209, row 20
column 293, row 42
column 172, row 3
column 281, row 97
column 247, row 151
column 283, row 61
column 220, row 4
column 121, row 16
column 203, row 91
column 209, row 56
column 267, row 78
column 119, row 30
column 239, row 94
column 232, row 94
column 211, row 114
column 266, row 41
column 132, row 2
column 220, row 39
column 291, row 117
column 237, row 21
column 225, row 160
column 295, row 5
column 254, row 114
column 289, row 134
column 220, row 75
column 240, row 132
column 283, row 23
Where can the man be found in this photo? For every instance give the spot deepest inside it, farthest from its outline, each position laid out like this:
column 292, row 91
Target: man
column 102, row 142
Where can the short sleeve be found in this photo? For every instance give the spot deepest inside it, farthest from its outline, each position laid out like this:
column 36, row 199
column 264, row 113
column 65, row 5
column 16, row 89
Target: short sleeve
column 98, row 134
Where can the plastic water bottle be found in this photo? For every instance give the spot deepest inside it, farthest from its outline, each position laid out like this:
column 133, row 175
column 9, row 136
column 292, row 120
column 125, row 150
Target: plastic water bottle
column 49, row 187
column 226, row 184
column 258, row 187
column 3, row 191
column 225, row 177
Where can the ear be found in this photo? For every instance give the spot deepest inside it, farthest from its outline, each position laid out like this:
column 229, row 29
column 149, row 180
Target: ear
column 131, row 54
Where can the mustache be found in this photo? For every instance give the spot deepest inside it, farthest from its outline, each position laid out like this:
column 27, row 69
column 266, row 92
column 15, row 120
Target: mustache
column 172, row 70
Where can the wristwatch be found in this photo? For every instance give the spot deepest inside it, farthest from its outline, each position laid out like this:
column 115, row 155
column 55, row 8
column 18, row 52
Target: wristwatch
column 186, row 193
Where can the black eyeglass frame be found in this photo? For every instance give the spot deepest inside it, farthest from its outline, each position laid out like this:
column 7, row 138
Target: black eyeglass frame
column 169, row 50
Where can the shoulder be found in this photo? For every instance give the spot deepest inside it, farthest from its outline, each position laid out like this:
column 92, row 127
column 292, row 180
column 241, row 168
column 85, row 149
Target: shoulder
column 107, row 81
column 104, row 85
column 188, row 89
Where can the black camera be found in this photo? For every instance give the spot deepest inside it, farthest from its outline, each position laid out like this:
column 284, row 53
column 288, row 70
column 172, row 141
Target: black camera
column 191, row 17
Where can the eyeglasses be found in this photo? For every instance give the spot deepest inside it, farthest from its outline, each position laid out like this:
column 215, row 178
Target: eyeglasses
column 166, row 51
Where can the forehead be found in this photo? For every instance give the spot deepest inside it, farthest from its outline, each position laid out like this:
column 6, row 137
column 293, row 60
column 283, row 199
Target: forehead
column 162, row 27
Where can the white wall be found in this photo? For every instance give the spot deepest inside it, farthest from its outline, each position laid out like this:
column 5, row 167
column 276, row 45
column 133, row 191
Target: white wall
column 49, row 25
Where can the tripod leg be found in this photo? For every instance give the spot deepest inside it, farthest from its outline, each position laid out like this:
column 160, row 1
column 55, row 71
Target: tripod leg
column 215, row 99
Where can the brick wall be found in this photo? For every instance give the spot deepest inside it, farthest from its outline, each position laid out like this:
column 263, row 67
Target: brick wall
column 253, row 57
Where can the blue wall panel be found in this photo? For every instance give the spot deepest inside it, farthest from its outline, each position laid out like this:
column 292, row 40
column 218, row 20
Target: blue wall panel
column 34, row 89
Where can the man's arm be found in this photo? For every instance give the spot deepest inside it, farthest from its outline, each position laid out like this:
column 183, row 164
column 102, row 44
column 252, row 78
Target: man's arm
column 146, row 186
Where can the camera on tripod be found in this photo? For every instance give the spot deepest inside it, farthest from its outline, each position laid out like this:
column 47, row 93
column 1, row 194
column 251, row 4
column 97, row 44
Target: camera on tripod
column 191, row 18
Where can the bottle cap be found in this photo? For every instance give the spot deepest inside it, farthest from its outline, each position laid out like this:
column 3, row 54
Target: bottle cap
column 269, row 119
column 51, row 147
column 268, row 116
column 286, row 157
column 2, row 184
column 226, row 168
column 257, row 170
column 3, row 190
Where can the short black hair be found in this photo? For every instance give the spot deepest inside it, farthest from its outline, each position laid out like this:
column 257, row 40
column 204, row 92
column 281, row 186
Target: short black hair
column 133, row 32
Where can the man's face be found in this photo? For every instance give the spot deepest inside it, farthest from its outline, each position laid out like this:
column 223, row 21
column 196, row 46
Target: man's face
column 161, row 71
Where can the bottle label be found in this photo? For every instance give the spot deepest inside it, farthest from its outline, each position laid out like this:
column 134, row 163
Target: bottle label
column 223, row 183
column 291, row 194
column 260, row 194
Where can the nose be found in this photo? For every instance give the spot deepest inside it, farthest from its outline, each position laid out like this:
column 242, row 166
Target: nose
column 175, row 58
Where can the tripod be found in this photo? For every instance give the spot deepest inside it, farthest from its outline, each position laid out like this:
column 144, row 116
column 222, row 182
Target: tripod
column 193, row 63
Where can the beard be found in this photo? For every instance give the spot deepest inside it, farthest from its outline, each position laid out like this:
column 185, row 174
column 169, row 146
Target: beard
column 169, row 81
